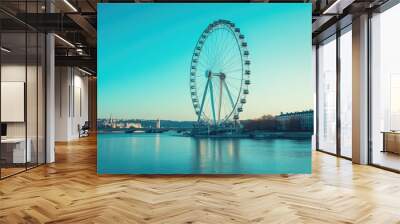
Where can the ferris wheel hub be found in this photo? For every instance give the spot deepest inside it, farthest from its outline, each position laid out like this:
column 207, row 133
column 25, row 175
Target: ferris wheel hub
column 209, row 74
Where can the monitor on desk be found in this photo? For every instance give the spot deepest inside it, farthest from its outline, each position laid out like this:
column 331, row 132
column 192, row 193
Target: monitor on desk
column 3, row 130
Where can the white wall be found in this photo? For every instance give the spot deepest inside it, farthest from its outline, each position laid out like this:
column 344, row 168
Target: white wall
column 12, row 73
column 71, row 102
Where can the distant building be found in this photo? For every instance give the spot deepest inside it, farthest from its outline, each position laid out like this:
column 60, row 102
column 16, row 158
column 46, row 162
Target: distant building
column 120, row 125
column 133, row 125
column 158, row 123
column 302, row 121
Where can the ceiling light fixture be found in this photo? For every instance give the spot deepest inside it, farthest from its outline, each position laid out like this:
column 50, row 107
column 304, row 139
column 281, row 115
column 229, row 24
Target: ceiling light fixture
column 70, row 5
column 84, row 71
column 64, row 40
column 79, row 51
column 5, row 50
column 337, row 7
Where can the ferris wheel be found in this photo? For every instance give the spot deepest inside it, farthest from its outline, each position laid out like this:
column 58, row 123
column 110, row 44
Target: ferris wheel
column 220, row 74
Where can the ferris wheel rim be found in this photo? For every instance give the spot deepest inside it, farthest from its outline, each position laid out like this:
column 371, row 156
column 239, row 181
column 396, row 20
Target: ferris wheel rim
column 237, row 107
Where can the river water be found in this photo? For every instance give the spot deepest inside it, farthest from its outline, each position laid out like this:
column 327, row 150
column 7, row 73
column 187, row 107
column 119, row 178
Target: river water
column 168, row 153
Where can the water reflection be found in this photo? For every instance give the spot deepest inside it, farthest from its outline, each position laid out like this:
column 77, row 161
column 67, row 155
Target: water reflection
column 157, row 145
column 216, row 154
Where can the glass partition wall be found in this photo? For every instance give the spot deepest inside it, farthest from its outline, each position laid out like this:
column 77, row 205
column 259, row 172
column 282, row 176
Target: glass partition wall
column 327, row 95
column 345, row 61
column 385, row 89
column 334, row 106
column 22, row 98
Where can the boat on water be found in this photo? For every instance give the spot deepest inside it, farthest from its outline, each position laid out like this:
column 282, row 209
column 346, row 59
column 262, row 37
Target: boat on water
column 133, row 131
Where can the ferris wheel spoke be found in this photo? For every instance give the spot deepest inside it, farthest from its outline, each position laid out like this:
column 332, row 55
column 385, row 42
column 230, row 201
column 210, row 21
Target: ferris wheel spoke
column 234, row 83
column 234, row 75
column 205, row 59
column 213, row 57
column 216, row 57
column 209, row 56
column 213, row 44
column 229, row 82
column 234, row 59
column 206, row 48
column 228, row 51
column 233, row 71
column 221, row 45
column 234, row 78
column 237, row 75
column 202, row 65
column 205, row 54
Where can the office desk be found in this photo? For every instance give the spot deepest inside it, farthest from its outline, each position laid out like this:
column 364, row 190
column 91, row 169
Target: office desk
column 391, row 141
column 13, row 150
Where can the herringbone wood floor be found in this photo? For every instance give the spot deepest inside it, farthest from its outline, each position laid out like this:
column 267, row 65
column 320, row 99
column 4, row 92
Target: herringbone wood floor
column 70, row 191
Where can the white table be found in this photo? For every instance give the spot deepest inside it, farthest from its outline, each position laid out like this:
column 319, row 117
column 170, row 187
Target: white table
column 20, row 155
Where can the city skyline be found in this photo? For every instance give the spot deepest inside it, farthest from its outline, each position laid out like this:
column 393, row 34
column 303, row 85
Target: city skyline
column 280, row 82
column 153, row 119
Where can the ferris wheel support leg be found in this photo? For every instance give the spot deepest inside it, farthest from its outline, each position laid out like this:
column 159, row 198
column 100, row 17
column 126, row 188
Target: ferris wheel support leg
column 212, row 100
column 229, row 94
column 220, row 99
column 202, row 101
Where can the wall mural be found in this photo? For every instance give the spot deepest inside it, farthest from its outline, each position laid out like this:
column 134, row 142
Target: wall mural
column 211, row 88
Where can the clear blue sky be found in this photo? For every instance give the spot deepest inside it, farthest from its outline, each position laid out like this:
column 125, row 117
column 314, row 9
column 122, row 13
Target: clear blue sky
column 145, row 50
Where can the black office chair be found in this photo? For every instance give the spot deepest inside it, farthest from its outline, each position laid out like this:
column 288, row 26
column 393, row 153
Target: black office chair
column 84, row 130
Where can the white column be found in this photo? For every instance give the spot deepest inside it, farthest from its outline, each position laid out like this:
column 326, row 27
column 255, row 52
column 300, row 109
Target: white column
column 50, row 92
column 63, row 101
column 50, row 99
column 360, row 90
